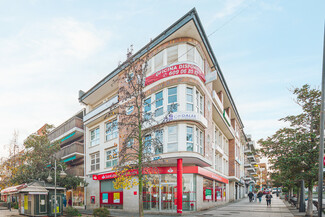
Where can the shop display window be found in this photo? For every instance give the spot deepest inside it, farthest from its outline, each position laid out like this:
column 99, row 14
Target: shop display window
column 208, row 193
column 220, row 191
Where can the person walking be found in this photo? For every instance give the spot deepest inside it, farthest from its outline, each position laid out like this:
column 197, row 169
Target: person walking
column 259, row 196
column 250, row 195
column 255, row 196
column 268, row 199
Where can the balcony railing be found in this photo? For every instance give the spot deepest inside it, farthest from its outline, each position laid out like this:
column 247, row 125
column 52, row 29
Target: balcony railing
column 76, row 147
column 101, row 108
column 65, row 127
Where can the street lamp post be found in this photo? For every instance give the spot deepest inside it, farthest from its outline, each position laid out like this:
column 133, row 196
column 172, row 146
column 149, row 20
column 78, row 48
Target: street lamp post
column 49, row 179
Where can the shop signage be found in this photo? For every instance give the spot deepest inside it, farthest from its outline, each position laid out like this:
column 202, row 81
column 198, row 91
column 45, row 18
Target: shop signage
column 178, row 69
column 105, row 198
column 182, row 116
column 168, row 170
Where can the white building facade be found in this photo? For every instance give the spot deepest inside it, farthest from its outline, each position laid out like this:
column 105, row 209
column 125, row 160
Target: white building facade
column 203, row 135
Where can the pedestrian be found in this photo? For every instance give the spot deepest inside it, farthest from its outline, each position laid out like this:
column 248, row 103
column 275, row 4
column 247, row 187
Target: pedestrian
column 260, row 195
column 250, row 195
column 70, row 202
column 64, row 201
column 9, row 204
column 268, row 199
column 255, row 196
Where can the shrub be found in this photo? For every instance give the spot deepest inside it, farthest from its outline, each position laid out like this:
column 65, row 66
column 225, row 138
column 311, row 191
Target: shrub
column 72, row 212
column 285, row 190
column 101, row 212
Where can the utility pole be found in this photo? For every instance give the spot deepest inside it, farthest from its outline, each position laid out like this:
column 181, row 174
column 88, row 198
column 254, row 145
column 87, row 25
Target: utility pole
column 321, row 148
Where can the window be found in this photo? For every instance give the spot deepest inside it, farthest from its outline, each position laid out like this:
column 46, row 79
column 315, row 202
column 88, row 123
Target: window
column 94, row 137
column 159, row 104
column 172, row 99
column 200, row 145
column 129, row 76
column 130, row 143
column 189, row 138
column 159, row 60
column 111, row 157
column 199, row 103
column 147, row 144
column 159, row 135
column 149, row 67
column 189, row 99
column 147, row 109
column 129, row 110
column 94, row 161
column 172, row 54
column 190, row 52
column 111, row 130
column 172, row 139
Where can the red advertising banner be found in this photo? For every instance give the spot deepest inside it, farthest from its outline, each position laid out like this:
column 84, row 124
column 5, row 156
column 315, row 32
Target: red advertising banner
column 179, row 69
column 168, row 170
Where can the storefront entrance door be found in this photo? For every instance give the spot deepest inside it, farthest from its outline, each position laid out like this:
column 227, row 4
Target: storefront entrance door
column 168, row 196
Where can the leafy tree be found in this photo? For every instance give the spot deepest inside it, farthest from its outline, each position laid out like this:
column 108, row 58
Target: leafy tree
column 293, row 150
column 37, row 159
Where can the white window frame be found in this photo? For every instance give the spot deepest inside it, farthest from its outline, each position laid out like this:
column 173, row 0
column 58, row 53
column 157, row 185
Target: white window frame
column 190, row 143
column 173, row 143
column 173, row 104
column 111, row 132
column 111, row 155
column 96, row 140
column 189, row 95
column 94, row 161
column 162, row 104
column 147, row 114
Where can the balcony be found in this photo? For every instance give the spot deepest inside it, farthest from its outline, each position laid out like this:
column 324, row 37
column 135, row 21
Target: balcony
column 75, row 171
column 217, row 100
column 248, row 165
column 251, row 170
column 251, row 158
column 67, row 127
column 247, row 151
column 71, row 152
column 226, row 117
column 101, row 108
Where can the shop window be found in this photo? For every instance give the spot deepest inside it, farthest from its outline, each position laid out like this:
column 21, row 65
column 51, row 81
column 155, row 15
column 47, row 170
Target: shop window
column 94, row 137
column 111, row 157
column 94, row 162
column 220, row 191
column 189, row 99
column 208, row 193
column 111, row 130
column 172, row 99
column 172, row 139
column 159, row 104
column 172, row 55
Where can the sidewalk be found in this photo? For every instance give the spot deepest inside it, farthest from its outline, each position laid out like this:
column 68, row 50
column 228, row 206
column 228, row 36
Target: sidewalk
column 244, row 208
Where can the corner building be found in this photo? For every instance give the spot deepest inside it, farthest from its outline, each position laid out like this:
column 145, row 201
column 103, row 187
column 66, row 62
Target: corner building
column 203, row 135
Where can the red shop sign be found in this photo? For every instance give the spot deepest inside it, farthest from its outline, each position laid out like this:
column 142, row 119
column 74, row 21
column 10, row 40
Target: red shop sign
column 179, row 69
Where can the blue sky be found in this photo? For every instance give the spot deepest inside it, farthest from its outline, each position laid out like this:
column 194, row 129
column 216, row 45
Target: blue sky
column 49, row 50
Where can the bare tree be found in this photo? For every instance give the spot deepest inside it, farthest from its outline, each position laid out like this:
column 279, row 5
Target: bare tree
column 140, row 129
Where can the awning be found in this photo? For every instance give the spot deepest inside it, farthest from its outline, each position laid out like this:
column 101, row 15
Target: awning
column 13, row 189
column 34, row 189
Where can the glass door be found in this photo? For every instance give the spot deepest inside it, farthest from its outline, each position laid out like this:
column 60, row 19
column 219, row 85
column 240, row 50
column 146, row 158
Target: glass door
column 168, row 196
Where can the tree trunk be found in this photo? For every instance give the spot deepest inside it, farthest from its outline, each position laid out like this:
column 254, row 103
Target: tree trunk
column 309, row 211
column 140, row 196
column 298, row 199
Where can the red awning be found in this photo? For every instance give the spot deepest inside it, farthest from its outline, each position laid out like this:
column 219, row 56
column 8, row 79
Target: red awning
column 13, row 189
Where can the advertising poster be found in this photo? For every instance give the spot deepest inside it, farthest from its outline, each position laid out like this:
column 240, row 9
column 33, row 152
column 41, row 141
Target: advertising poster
column 105, row 198
column 26, row 202
column 116, row 198
column 208, row 194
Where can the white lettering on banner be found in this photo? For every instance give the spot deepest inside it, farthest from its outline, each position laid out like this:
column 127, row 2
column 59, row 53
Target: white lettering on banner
column 182, row 116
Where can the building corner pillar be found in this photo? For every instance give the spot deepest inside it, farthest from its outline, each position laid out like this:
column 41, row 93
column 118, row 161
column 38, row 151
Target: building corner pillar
column 179, row 185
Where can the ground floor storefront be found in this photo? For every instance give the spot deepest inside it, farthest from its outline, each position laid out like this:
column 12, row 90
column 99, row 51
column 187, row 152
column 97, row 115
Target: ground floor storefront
column 170, row 189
